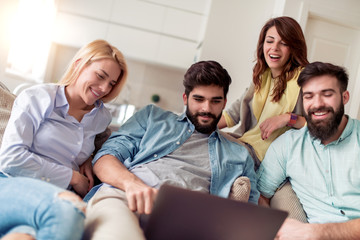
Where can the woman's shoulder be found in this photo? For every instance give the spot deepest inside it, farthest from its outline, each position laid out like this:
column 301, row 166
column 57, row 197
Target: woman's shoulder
column 40, row 91
column 39, row 96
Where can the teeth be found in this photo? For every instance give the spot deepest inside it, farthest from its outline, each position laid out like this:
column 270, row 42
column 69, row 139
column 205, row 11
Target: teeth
column 319, row 113
column 96, row 94
column 274, row 56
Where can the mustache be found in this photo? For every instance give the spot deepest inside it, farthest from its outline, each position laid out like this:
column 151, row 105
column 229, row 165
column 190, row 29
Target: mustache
column 321, row 109
column 205, row 114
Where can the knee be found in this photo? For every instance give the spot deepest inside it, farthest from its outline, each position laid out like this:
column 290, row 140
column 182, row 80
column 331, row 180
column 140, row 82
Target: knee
column 70, row 215
column 74, row 199
column 17, row 236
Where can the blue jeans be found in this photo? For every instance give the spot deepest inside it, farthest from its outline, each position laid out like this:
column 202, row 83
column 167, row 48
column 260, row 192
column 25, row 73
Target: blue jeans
column 32, row 206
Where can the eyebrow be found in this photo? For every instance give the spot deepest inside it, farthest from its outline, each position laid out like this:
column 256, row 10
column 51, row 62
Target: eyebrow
column 322, row 91
column 199, row 96
column 105, row 72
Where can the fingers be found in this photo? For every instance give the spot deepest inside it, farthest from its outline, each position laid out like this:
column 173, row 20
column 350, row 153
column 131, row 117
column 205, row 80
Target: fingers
column 142, row 201
column 90, row 176
column 149, row 200
column 91, row 182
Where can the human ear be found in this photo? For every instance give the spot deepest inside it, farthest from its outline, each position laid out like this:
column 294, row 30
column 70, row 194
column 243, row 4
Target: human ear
column 185, row 99
column 346, row 97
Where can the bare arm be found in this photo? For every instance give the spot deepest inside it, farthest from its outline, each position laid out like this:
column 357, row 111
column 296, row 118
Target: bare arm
column 140, row 196
column 263, row 201
column 222, row 122
column 293, row 229
column 268, row 126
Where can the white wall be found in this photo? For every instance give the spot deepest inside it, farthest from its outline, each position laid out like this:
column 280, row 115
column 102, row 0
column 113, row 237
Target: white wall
column 144, row 80
column 231, row 37
column 7, row 10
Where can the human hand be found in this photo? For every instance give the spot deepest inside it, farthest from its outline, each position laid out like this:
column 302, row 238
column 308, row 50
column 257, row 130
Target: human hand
column 293, row 230
column 80, row 183
column 268, row 126
column 140, row 197
column 87, row 170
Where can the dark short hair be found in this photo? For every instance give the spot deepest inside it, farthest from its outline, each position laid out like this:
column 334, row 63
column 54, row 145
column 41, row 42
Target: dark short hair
column 206, row 73
column 317, row 69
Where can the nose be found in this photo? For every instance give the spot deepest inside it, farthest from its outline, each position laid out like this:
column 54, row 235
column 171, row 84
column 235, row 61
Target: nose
column 105, row 87
column 275, row 46
column 318, row 101
column 205, row 107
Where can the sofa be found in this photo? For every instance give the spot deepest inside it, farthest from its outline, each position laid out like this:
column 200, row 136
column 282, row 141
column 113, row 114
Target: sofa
column 284, row 199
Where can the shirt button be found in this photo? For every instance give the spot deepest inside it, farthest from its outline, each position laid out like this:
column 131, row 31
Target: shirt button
column 43, row 178
column 189, row 130
column 178, row 143
column 155, row 155
column 48, row 179
column 342, row 212
column 78, row 143
column 72, row 156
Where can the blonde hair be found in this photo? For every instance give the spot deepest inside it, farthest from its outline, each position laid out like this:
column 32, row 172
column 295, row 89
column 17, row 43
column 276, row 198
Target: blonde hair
column 94, row 51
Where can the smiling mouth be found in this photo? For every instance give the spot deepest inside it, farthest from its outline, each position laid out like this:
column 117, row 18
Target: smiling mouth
column 320, row 113
column 94, row 92
column 274, row 56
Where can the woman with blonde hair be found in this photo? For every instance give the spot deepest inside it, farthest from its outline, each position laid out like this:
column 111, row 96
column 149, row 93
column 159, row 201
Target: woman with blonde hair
column 271, row 105
column 51, row 131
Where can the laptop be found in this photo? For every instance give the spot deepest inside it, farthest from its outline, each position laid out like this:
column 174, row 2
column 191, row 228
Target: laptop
column 181, row 214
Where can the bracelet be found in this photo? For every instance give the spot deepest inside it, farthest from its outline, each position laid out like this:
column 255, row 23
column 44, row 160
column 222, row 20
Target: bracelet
column 293, row 119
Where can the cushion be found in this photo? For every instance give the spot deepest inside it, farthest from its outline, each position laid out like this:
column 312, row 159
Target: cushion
column 240, row 190
column 6, row 103
column 285, row 199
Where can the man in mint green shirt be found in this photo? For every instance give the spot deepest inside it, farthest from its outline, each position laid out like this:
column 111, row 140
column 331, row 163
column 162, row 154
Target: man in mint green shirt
column 320, row 160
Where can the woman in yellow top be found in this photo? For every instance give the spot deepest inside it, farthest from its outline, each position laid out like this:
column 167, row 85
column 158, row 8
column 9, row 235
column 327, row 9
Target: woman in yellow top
column 272, row 103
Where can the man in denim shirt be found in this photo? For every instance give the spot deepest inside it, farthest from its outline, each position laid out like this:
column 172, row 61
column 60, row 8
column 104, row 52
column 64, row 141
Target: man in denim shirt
column 157, row 147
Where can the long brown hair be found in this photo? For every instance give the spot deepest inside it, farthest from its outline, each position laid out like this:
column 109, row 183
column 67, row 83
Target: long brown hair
column 291, row 33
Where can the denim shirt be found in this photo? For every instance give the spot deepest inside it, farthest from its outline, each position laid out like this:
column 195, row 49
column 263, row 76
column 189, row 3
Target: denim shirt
column 153, row 133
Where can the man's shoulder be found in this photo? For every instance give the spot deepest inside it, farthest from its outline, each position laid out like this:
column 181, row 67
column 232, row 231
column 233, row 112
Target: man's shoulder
column 231, row 140
column 296, row 133
column 292, row 136
column 154, row 113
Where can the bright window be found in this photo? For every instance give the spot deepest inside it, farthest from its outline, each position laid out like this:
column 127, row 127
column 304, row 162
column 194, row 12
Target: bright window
column 31, row 39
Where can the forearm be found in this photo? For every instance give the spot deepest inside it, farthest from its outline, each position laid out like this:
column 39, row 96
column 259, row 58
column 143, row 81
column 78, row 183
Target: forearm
column 111, row 171
column 300, row 122
column 335, row 231
column 222, row 122
column 263, row 201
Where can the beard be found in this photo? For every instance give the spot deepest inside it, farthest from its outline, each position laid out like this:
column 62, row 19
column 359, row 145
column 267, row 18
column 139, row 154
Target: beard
column 324, row 129
column 205, row 128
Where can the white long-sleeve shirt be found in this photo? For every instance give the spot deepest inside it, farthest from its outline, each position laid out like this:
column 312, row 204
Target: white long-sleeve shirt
column 43, row 141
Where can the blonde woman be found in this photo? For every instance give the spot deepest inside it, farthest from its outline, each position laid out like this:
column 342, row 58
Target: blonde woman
column 50, row 134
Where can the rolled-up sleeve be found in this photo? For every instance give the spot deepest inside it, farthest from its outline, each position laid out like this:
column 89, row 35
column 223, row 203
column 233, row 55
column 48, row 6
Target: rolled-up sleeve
column 272, row 170
column 124, row 144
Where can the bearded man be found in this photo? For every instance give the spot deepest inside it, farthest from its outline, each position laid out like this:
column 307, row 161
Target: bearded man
column 321, row 160
column 156, row 147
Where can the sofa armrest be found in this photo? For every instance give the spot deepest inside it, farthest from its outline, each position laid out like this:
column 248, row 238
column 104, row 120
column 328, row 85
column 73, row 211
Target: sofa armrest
column 285, row 199
column 6, row 103
column 240, row 189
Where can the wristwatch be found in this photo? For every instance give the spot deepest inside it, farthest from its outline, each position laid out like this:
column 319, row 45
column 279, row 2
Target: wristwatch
column 293, row 119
